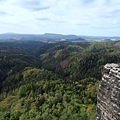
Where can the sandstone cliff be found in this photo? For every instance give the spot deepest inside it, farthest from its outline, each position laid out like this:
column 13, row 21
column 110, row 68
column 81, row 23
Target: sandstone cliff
column 108, row 99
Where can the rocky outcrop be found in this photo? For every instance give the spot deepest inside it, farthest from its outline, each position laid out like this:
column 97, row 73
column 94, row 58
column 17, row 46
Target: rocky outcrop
column 108, row 99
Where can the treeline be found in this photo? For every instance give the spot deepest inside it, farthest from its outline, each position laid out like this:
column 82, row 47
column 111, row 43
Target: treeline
column 56, row 81
column 80, row 60
column 38, row 94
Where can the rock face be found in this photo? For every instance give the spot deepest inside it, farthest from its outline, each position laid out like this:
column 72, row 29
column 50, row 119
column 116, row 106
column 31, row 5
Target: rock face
column 108, row 99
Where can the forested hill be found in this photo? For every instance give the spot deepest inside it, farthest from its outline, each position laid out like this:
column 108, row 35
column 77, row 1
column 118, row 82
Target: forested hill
column 52, row 81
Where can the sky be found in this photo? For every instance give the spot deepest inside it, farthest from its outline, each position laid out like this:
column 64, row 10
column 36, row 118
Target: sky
column 79, row 17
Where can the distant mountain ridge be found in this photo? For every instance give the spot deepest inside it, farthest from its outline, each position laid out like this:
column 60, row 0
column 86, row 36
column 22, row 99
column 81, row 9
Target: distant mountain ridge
column 15, row 36
column 51, row 37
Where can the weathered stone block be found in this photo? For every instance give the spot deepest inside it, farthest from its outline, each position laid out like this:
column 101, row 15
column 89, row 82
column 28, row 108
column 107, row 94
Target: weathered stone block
column 108, row 99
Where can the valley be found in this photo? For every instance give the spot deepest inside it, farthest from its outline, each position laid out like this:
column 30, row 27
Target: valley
column 59, row 80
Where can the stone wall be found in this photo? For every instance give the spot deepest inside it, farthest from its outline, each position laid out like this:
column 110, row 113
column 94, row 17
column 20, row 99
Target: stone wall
column 108, row 99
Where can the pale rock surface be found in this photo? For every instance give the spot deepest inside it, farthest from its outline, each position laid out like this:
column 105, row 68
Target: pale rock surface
column 108, row 99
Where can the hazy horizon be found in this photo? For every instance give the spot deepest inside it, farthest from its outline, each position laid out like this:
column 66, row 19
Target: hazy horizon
column 78, row 17
column 12, row 33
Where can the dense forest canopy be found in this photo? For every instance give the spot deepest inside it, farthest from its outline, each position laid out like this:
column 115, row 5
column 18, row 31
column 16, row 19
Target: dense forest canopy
column 52, row 81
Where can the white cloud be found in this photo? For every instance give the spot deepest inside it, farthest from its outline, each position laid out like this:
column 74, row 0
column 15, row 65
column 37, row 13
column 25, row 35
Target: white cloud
column 34, row 5
column 61, row 16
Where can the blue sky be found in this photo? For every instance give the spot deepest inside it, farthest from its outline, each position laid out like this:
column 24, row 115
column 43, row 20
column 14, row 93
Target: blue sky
column 80, row 17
